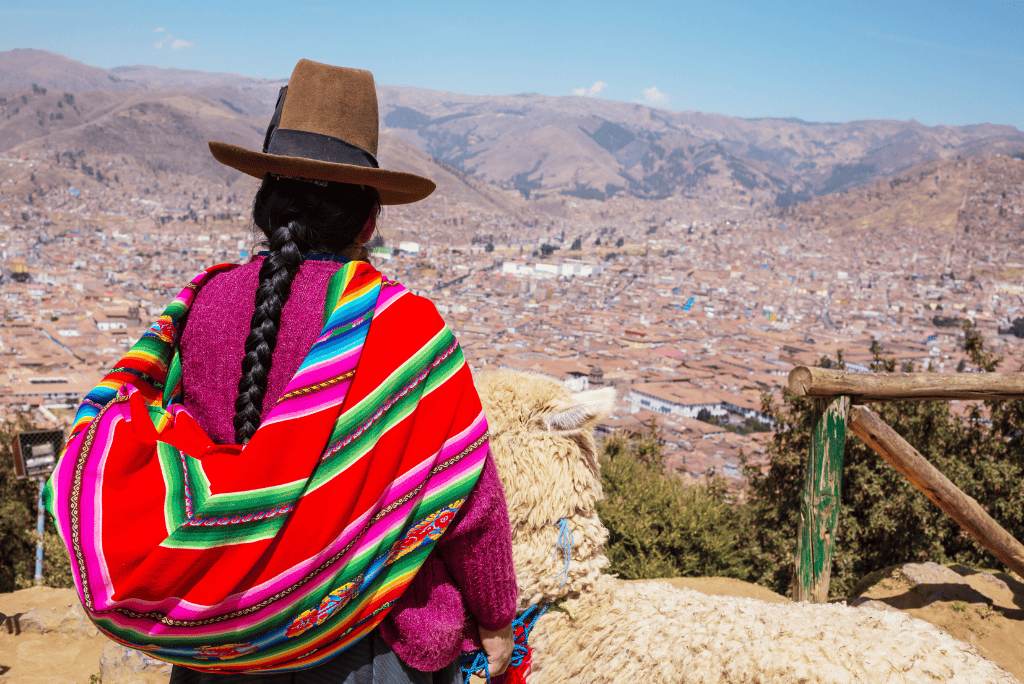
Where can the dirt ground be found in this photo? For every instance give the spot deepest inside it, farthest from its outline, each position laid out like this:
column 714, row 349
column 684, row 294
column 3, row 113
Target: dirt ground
column 985, row 609
column 56, row 657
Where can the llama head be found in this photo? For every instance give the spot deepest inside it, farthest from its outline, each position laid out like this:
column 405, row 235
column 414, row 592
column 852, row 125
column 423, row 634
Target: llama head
column 541, row 438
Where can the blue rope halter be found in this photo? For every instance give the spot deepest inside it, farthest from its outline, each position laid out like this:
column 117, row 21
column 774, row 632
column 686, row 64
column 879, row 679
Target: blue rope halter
column 564, row 543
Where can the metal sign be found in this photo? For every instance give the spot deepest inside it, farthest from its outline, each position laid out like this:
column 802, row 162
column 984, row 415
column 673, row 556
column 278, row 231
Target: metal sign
column 35, row 453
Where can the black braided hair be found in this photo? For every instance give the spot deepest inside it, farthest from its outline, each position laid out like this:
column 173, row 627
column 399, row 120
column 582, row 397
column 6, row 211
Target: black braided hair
column 296, row 217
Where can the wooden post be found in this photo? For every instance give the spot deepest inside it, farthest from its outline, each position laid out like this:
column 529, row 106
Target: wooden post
column 937, row 487
column 819, row 510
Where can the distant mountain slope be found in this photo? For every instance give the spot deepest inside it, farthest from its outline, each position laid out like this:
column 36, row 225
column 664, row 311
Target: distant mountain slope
column 454, row 186
column 165, row 131
column 591, row 147
column 977, row 200
column 547, row 146
column 253, row 96
column 23, row 67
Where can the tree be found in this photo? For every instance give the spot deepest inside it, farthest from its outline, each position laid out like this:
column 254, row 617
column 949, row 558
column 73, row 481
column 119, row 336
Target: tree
column 489, row 247
column 659, row 526
column 620, row 242
column 577, row 245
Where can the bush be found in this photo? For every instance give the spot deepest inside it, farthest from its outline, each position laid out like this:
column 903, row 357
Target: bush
column 56, row 561
column 658, row 526
column 18, row 506
column 18, row 521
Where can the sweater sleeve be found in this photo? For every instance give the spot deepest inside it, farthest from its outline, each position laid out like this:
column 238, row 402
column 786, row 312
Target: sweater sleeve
column 477, row 551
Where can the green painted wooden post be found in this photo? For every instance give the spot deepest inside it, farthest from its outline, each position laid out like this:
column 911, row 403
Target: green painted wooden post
column 819, row 510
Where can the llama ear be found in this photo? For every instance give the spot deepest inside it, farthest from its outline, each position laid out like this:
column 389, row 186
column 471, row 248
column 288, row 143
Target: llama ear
column 581, row 411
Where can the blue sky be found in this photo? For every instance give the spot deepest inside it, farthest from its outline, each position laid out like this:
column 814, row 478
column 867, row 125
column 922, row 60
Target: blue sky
column 938, row 62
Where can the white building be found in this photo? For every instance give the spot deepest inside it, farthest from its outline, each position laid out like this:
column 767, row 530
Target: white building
column 577, row 382
column 541, row 270
column 664, row 398
column 579, row 268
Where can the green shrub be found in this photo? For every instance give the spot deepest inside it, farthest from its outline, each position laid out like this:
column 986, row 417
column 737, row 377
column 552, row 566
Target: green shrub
column 18, row 523
column 658, row 526
column 18, row 515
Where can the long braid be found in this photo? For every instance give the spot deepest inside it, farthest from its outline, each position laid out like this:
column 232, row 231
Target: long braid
column 295, row 217
column 276, row 275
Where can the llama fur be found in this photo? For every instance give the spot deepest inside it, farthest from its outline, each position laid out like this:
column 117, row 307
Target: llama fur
column 602, row 630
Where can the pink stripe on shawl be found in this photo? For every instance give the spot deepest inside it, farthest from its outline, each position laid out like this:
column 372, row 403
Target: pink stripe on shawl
column 90, row 510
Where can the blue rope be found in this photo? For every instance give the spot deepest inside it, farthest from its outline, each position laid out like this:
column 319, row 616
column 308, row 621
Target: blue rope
column 564, row 543
column 474, row 661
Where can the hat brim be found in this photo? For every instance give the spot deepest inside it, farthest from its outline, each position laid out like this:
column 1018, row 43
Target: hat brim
column 395, row 187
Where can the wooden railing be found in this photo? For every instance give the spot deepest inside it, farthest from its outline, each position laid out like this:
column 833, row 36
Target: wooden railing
column 839, row 399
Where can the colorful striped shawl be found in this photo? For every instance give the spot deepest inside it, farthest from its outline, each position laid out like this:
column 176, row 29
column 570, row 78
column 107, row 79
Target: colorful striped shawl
column 282, row 553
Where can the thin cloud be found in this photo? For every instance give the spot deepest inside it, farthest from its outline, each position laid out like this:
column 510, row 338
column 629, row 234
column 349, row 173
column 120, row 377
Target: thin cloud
column 579, row 91
column 654, row 97
column 158, row 29
column 178, row 44
column 160, row 45
column 931, row 44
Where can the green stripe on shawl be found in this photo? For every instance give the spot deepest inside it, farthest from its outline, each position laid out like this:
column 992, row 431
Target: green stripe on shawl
column 174, row 482
column 240, row 503
column 335, row 287
column 201, row 537
column 444, row 371
column 173, row 381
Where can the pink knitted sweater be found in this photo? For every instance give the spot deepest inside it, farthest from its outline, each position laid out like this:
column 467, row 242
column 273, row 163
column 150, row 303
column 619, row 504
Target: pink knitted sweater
column 468, row 579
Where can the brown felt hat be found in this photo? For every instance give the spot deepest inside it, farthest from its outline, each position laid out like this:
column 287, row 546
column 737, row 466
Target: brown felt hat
column 325, row 128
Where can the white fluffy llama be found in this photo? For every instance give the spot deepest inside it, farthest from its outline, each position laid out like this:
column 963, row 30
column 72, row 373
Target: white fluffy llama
column 609, row 630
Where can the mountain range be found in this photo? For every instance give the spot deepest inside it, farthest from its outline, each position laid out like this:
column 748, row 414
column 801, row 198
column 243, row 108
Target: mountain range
column 495, row 150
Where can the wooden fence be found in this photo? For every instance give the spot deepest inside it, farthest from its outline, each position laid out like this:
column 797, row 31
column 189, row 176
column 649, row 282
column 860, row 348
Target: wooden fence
column 839, row 399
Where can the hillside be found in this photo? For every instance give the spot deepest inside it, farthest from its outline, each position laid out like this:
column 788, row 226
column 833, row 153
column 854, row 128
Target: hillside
column 539, row 146
column 165, row 130
column 978, row 200
column 594, row 148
